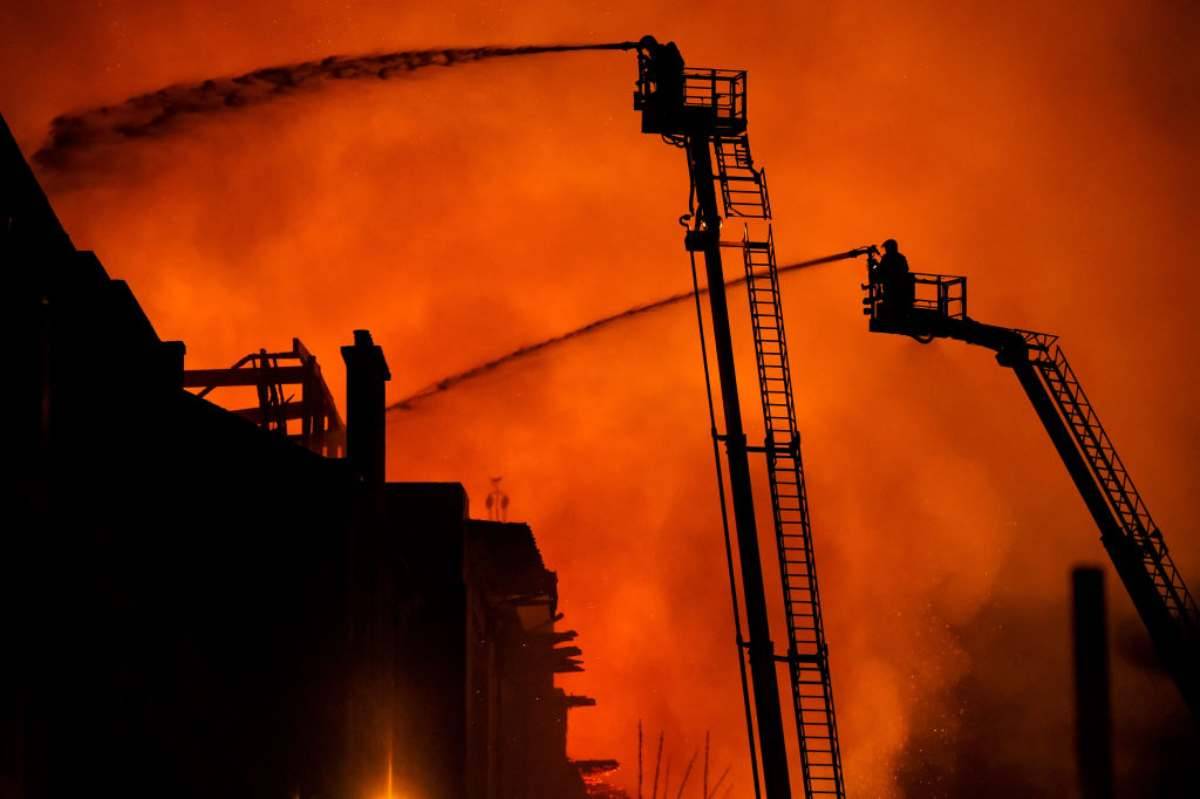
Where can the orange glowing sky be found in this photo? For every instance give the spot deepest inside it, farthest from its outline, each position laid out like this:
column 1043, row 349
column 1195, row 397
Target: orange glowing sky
column 1048, row 153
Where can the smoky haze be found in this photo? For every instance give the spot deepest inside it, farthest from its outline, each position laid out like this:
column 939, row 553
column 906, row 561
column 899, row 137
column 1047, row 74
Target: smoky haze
column 1047, row 151
column 159, row 112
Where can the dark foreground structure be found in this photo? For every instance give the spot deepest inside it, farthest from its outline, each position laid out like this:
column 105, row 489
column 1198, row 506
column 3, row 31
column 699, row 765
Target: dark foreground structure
column 196, row 604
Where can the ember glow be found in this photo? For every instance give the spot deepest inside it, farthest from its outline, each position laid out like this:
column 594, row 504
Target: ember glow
column 1047, row 153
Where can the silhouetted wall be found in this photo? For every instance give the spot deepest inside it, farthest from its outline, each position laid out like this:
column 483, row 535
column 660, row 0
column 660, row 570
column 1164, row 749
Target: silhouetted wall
column 516, row 716
column 194, row 606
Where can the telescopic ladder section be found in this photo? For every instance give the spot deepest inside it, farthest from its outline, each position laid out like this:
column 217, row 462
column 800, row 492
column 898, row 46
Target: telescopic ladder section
column 1111, row 476
column 744, row 194
column 743, row 187
column 1134, row 542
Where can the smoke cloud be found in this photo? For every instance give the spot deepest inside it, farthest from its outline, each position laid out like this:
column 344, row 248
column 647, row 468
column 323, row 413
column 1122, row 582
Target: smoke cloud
column 973, row 739
column 1045, row 150
column 160, row 112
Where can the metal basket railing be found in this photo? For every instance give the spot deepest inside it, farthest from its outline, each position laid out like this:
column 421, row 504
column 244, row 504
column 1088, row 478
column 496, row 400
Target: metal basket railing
column 721, row 90
column 945, row 294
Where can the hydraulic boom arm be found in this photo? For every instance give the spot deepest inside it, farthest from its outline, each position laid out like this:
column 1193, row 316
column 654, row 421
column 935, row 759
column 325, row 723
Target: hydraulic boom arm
column 1134, row 542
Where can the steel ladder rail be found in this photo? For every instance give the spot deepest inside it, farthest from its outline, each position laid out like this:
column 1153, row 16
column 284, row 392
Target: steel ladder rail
column 1118, row 487
column 807, row 657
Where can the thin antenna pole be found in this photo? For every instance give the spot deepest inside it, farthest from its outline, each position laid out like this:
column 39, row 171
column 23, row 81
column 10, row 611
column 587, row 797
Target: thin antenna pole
column 657, row 763
column 687, row 772
column 704, row 789
column 639, row 790
column 720, row 780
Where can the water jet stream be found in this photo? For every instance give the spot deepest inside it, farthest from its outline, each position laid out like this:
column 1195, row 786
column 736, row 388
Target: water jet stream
column 157, row 113
column 451, row 381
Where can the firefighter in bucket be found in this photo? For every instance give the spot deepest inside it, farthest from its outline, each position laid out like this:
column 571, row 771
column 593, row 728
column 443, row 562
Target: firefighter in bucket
column 660, row 82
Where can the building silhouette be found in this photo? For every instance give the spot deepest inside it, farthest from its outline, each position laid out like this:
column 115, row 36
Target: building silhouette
column 199, row 603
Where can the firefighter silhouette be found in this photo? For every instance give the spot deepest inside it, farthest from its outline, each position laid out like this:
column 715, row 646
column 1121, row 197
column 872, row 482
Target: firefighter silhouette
column 497, row 502
column 896, row 281
column 664, row 69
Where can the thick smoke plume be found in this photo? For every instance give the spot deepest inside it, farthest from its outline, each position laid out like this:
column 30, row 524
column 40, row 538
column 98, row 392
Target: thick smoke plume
column 449, row 382
column 159, row 112
column 1047, row 150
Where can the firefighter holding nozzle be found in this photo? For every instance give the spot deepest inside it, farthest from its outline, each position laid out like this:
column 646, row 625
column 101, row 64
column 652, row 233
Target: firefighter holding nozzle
column 895, row 282
column 663, row 69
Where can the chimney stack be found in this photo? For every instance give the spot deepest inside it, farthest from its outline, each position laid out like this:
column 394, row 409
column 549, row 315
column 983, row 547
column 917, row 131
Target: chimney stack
column 1093, row 715
column 366, row 372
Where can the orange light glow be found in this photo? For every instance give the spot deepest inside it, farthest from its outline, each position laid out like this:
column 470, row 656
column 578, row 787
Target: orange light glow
column 1047, row 153
column 390, row 789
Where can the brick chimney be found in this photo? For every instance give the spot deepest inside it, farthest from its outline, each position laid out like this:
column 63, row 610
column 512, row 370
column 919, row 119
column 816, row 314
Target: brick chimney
column 366, row 372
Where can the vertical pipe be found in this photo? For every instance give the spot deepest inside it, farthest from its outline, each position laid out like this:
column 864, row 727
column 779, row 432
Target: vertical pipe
column 761, row 650
column 639, row 776
column 1093, row 715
